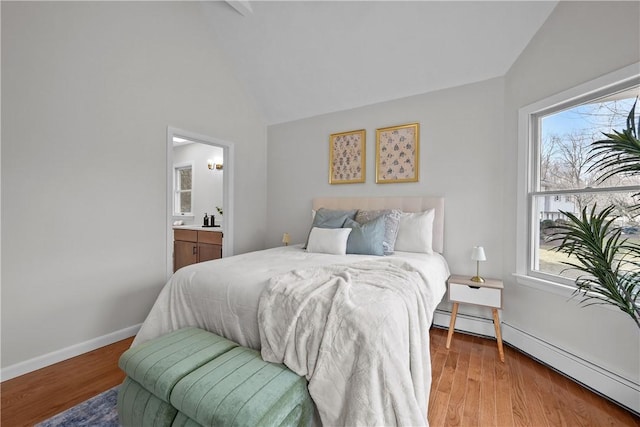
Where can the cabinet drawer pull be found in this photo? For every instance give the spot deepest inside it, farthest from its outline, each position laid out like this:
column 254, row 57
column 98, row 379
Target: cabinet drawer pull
column 194, row 250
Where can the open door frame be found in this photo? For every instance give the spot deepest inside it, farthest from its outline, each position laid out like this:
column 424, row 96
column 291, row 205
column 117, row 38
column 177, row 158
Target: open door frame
column 227, row 189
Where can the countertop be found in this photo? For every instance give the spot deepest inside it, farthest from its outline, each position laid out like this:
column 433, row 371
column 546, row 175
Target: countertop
column 197, row 227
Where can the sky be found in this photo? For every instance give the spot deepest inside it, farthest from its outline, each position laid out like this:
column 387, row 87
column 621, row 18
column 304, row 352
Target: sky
column 582, row 118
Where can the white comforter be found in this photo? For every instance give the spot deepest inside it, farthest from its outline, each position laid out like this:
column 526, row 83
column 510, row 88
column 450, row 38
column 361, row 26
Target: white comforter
column 222, row 296
column 360, row 334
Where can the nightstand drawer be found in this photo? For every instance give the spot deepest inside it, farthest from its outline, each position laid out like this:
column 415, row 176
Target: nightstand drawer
column 490, row 297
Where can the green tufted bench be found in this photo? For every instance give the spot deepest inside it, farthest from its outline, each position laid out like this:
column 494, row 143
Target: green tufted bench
column 192, row 377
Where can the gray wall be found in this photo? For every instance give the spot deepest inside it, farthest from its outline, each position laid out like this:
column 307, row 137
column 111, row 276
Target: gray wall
column 460, row 134
column 88, row 90
column 579, row 42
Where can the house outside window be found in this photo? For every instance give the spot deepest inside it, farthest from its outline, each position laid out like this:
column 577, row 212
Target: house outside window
column 558, row 177
column 182, row 185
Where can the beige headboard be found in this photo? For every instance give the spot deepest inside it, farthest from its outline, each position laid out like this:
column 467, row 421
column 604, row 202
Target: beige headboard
column 406, row 204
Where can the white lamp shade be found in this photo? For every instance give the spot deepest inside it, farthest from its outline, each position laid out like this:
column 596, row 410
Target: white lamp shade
column 477, row 254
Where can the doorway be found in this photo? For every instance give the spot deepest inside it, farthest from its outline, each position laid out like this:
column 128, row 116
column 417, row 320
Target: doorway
column 220, row 166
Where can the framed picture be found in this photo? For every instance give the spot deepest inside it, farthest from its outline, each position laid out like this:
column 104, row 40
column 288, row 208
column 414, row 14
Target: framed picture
column 347, row 157
column 397, row 153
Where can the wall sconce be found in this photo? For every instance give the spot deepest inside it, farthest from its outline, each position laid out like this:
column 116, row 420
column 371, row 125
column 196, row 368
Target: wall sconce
column 217, row 164
column 286, row 239
column 477, row 254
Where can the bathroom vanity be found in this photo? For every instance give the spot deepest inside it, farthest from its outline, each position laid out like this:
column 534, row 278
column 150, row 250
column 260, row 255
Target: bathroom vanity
column 193, row 244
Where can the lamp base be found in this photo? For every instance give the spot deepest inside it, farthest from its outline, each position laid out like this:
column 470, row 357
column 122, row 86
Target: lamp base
column 477, row 279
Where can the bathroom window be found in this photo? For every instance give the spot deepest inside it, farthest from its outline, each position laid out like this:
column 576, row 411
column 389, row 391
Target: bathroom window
column 182, row 186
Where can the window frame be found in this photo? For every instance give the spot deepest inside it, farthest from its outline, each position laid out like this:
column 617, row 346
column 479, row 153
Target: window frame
column 528, row 170
column 177, row 167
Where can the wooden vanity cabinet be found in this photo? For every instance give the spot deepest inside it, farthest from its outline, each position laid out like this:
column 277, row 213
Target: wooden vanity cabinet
column 192, row 246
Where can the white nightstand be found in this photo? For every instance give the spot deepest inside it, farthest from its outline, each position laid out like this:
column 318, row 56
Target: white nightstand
column 489, row 294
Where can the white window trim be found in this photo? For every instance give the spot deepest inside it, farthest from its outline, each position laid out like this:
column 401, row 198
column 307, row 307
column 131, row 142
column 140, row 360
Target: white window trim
column 177, row 166
column 630, row 76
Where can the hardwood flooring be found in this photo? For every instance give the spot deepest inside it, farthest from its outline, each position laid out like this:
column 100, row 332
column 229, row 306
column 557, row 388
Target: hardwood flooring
column 470, row 387
column 41, row 394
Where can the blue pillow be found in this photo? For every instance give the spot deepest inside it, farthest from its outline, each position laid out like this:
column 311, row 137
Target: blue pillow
column 331, row 218
column 391, row 225
column 367, row 238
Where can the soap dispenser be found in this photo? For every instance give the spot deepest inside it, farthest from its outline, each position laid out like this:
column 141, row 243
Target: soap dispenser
column 206, row 220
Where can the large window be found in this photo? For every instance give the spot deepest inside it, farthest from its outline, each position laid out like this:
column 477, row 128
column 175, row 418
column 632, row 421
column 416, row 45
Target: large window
column 182, row 185
column 560, row 178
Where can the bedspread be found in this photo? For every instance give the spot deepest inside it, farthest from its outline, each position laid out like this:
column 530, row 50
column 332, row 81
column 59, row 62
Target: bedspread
column 222, row 296
column 359, row 333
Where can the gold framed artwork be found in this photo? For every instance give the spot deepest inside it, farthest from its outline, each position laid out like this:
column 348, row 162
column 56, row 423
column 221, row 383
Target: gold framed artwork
column 347, row 157
column 397, row 153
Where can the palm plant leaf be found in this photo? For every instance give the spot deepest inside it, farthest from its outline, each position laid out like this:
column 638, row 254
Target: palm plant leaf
column 610, row 263
column 619, row 153
column 604, row 256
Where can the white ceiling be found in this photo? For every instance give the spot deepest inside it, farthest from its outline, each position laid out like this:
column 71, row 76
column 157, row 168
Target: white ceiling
column 301, row 58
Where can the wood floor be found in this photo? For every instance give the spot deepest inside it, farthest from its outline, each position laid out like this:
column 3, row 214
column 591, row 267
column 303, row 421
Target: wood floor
column 470, row 387
column 41, row 394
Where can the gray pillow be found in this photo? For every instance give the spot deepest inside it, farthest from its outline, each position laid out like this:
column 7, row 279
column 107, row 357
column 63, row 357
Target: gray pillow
column 391, row 225
column 367, row 238
column 330, row 218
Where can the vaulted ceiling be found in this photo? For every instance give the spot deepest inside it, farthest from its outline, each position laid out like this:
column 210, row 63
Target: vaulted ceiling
column 305, row 58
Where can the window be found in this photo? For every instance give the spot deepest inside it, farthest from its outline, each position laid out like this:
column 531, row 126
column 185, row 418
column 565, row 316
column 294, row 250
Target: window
column 559, row 178
column 182, row 185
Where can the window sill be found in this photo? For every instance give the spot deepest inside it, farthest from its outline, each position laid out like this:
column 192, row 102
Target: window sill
column 544, row 285
column 556, row 289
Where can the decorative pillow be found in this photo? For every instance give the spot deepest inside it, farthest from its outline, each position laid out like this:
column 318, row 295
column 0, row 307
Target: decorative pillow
column 328, row 240
column 415, row 233
column 367, row 238
column 391, row 223
column 331, row 218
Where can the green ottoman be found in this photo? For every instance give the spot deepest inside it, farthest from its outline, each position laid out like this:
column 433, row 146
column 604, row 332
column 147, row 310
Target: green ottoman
column 240, row 389
column 158, row 364
column 136, row 404
column 192, row 377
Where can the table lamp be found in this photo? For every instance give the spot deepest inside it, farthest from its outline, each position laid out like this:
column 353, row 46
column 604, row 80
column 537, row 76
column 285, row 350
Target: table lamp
column 477, row 254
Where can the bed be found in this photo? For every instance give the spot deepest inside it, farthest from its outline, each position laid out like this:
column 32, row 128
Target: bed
column 355, row 325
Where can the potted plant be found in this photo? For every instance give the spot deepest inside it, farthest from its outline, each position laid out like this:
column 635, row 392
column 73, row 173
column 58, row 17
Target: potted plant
column 610, row 263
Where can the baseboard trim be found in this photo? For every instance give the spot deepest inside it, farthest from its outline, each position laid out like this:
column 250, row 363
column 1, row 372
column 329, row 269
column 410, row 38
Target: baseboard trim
column 604, row 382
column 608, row 384
column 45, row 360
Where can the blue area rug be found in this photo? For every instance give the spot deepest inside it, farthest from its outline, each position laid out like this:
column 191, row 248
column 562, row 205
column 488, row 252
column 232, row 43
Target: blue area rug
column 99, row 411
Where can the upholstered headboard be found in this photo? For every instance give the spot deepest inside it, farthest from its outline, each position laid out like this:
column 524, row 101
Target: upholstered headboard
column 406, row 204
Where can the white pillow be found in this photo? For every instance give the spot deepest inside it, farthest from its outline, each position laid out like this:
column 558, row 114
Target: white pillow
column 415, row 232
column 328, row 240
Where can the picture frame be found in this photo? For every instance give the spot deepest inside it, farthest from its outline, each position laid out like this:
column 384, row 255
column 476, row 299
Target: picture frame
column 347, row 157
column 398, row 154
